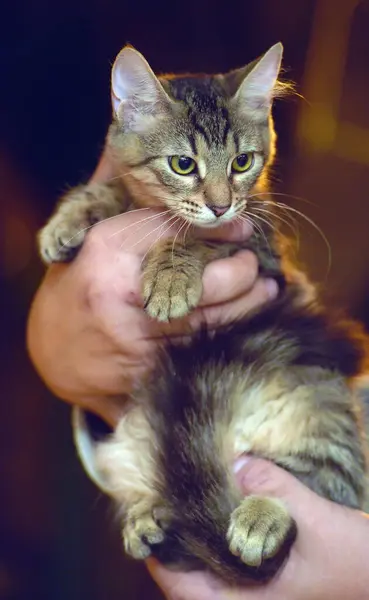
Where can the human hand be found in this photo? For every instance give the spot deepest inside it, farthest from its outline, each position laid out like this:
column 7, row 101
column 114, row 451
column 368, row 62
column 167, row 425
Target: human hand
column 88, row 334
column 327, row 562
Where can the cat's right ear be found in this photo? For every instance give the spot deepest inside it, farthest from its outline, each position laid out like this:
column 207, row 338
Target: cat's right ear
column 137, row 95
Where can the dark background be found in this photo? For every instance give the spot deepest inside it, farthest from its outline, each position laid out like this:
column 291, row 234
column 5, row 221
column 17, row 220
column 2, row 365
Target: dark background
column 58, row 539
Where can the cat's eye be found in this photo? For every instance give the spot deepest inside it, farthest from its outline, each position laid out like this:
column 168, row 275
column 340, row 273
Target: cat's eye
column 182, row 165
column 242, row 163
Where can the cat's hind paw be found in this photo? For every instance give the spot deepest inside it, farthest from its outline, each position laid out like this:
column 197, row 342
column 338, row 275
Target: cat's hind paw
column 142, row 530
column 259, row 529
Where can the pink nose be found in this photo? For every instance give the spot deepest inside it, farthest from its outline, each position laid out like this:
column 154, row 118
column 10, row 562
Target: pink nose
column 218, row 210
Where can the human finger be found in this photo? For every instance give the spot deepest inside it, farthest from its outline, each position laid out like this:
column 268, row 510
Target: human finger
column 227, row 312
column 229, row 278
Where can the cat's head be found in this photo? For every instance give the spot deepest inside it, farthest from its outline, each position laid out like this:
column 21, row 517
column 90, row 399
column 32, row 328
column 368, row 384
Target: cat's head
column 198, row 144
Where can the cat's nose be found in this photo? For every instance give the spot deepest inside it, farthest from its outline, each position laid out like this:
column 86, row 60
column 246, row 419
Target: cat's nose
column 218, row 210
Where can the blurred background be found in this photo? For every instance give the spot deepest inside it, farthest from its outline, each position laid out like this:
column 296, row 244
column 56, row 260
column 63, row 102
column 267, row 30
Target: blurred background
column 57, row 534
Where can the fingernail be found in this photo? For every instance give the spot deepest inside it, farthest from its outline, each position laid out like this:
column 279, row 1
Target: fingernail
column 271, row 288
column 240, row 463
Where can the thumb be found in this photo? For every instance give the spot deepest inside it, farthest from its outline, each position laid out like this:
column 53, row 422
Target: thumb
column 263, row 478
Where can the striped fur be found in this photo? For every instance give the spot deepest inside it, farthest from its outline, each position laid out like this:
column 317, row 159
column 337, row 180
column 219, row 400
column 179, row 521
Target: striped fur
column 279, row 383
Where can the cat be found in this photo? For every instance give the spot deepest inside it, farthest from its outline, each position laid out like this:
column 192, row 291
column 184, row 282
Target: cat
column 158, row 127
column 277, row 383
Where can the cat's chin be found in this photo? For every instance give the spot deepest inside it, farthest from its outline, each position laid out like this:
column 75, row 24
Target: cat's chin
column 208, row 225
column 216, row 224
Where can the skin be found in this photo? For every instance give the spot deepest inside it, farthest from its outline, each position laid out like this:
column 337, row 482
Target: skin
column 90, row 340
column 88, row 335
column 327, row 562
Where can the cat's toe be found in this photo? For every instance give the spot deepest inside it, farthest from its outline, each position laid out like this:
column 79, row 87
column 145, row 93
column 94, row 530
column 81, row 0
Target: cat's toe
column 171, row 295
column 157, row 304
column 259, row 529
column 140, row 533
column 59, row 240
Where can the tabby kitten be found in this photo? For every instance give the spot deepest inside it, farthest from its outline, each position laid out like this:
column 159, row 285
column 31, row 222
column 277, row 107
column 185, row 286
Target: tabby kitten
column 199, row 145
column 278, row 383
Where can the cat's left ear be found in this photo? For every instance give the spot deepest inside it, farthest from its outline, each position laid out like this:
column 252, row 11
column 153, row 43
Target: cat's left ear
column 137, row 95
column 256, row 92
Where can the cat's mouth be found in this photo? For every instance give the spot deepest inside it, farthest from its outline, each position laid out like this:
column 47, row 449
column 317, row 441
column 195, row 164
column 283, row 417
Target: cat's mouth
column 209, row 219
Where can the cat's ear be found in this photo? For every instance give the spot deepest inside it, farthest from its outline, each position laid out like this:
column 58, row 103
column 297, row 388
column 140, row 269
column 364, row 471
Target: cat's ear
column 137, row 94
column 256, row 92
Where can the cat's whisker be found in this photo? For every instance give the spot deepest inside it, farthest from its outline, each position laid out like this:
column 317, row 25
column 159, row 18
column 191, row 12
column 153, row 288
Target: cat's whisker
column 289, row 224
column 263, row 232
column 268, row 193
column 189, row 225
column 170, row 220
column 249, row 221
column 142, row 223
column 120, row 175
column 287, row 208
column 91, row 226
column 292, row 225
column 264, row 220
column 175, row 239
column 274, row 204
column 258, row 228
column 157, row 239
column 314, row 225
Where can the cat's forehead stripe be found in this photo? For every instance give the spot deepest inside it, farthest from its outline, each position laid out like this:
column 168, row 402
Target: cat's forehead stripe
column 205, row 100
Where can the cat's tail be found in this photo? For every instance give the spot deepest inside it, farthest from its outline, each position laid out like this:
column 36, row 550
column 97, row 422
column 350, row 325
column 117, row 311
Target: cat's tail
column 189, row 417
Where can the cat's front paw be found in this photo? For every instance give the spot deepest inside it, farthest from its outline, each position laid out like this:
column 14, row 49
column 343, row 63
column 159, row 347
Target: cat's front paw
column 65, row 232
column 142, row 530
column 172, row 293
column 259, row 529
column 61, row 237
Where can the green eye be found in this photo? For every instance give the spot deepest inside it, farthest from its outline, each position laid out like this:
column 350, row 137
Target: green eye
column 242, row 162
column 182, row 165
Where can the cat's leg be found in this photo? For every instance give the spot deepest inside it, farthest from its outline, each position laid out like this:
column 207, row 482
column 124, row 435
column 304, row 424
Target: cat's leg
column 64, row 233
column 336, row 471
column 305, row 420
column 173, row 270
column 172, row 276
column 127, row 466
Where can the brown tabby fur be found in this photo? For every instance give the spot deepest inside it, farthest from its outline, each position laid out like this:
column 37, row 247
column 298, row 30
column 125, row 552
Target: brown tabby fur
column 279, row 383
